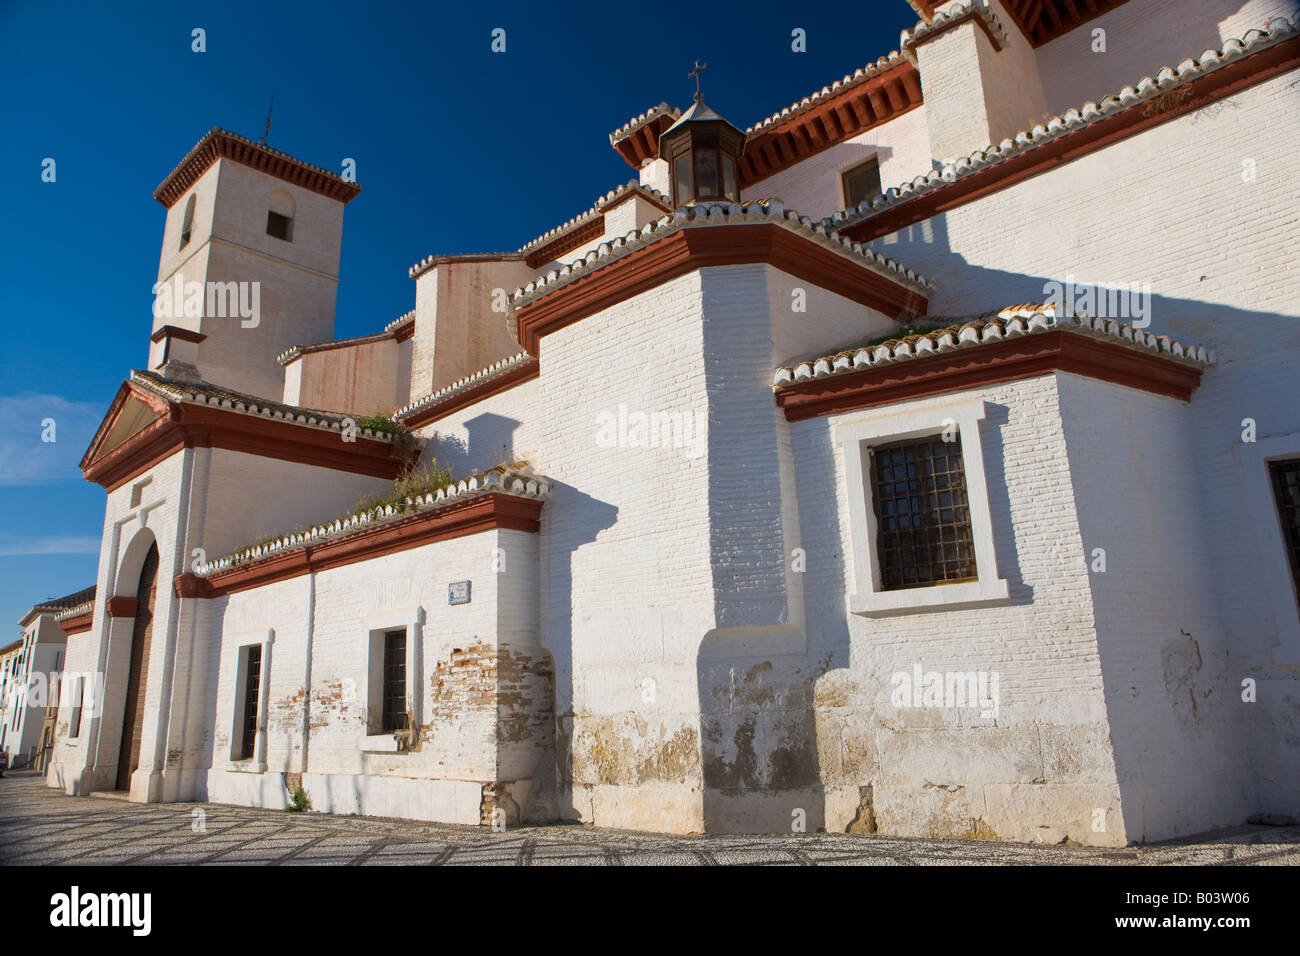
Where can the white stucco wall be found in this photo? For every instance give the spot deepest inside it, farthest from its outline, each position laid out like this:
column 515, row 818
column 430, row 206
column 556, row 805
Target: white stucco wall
column 1141, row 37
column 1221, row 274
column 813, row 186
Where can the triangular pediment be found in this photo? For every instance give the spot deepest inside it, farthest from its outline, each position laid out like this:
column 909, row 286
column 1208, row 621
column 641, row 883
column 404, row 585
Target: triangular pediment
column 132, row 412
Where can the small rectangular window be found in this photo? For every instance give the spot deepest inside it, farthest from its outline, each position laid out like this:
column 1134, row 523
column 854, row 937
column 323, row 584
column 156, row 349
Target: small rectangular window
column 1286, row 490
column 281, row 227
column 252, row 682
column 923, row 530
column 394, row 681
column 187, row 224
column 861, row 182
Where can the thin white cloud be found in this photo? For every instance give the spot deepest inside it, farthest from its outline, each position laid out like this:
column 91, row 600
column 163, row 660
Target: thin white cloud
column 66, row 544
column 25, row 459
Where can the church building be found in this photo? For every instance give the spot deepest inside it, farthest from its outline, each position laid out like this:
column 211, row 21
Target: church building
column 922, row 459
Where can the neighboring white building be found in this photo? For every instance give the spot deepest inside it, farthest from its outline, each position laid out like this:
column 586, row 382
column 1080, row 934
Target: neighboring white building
column 28, row 670
column 9, row 661
column 971, row 508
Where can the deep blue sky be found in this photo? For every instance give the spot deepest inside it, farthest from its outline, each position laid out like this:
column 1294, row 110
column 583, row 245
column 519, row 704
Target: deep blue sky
column 458, row 149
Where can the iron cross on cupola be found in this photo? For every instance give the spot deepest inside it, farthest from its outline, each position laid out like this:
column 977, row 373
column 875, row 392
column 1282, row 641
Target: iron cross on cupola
column 699, row 68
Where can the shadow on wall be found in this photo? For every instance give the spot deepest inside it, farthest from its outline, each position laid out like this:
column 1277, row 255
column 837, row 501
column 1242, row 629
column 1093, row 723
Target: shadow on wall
column 758, row 740
column 569, row 520
column 488, row 442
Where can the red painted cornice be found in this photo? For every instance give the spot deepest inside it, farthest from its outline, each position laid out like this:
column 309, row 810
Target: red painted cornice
column 692, row 248
column 222, row 144
column 643, row 142
column 176, row 332
column 120, row 606
column 567, row 242
column 1042, row 21
column 78, row 624
column 1025, row 356
column 851, row 111
column 482, row 513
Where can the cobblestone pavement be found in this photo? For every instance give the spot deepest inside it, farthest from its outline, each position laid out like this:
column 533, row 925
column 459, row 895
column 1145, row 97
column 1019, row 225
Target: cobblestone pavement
column 42, row 826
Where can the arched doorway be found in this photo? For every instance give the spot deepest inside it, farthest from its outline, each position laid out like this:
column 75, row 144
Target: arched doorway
column 128, row 758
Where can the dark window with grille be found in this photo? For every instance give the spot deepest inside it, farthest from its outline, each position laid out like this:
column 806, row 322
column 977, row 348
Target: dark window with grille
column 923, row 533
column 1286, row 488
column 252, row 680
column 395, row 680
column 279, row 226
column 75, row 721
column 861, row 182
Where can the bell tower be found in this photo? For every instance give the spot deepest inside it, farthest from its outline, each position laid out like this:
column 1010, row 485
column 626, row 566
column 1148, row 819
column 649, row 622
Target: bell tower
column 249, row 264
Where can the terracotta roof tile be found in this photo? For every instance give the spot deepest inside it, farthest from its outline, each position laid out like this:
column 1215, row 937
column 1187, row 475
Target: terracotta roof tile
column 952, row 333
column 702, row 215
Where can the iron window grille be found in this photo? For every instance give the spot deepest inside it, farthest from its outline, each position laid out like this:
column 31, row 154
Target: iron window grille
column 923, row 528
column 252, row 681
column 394, row 710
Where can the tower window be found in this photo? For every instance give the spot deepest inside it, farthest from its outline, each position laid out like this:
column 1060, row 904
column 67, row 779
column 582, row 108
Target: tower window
column 279, row 226
column 861, row 182
column 187, row 223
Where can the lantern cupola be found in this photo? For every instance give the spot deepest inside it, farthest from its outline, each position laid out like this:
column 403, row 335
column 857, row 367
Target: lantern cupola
column 703, row 152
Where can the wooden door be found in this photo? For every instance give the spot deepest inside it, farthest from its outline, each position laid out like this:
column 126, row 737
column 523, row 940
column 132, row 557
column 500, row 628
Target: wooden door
column 128, row 758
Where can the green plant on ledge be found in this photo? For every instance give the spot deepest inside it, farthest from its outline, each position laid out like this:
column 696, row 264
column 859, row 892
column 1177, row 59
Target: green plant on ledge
column 418, row 481
column 381, row 423
column 299, row 802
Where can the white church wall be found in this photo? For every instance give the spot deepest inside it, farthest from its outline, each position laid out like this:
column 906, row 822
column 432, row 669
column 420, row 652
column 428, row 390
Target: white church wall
column 1221, row 273
column 1037, row 770
column 1172, row 689
column 655, row 175
column 481, row 682
column 104, row 650
column 813, row 186
column 625, row 559
column 500, row 428
column 828, row 321
column 244, row 498
column 1140, row 38
column 173, row 255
